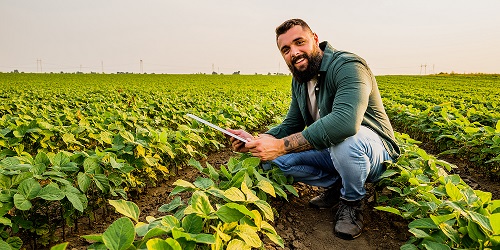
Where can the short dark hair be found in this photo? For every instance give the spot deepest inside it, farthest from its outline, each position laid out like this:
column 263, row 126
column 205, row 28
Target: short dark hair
column 288, row 24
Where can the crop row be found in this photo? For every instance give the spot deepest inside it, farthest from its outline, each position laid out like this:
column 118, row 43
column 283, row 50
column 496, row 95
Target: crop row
column 460, row 114
column 67, row 147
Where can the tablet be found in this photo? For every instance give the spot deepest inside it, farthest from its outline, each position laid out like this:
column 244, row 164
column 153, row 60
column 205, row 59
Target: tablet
column 217, row 127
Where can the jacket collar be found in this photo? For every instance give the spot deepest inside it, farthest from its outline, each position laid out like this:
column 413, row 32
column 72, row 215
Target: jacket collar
column 328, row 51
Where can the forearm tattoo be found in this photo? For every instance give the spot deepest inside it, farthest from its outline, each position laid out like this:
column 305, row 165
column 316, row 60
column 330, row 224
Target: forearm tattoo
column 296, row 143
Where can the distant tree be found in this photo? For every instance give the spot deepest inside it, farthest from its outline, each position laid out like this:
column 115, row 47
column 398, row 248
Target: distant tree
column 214, row 73
column 15, row 71
column 236, row 73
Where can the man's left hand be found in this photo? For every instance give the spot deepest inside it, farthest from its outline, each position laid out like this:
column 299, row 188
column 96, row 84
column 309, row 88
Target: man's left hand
column 266, row 147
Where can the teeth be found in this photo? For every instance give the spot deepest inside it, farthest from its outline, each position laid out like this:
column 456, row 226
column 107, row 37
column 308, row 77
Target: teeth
column 300, row 60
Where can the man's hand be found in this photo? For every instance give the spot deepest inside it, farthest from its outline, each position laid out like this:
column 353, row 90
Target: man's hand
column 266, row 147
column 238, row 145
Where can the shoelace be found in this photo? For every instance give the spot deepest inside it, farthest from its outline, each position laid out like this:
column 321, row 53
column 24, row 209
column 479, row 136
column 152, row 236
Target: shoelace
column 346, row 212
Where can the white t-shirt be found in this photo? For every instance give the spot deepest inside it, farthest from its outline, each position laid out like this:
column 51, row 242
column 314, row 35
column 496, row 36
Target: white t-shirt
column 312, row 105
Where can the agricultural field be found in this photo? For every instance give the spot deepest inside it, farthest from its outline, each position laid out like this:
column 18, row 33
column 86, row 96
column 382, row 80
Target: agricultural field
column 71, row 145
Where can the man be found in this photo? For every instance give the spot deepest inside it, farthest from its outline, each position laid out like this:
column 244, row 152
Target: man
column 336, row 133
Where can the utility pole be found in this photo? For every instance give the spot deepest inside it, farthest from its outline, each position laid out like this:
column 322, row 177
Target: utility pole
column 102, row 67
column 420, row 69
column 142, row 69
column 425, row 69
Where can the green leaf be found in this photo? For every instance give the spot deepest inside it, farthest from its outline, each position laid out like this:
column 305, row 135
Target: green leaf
column 119, row 235
column 4, row 245
column 93, row 237
column 61, row 246
column 97, row 246
column 184, row 183
column 388, row 173
column 196, row 164
column 249, row 235
column 250, row 163
column 408, row 247
column 42, row 158
column 266, row 209
column 167, row 244
column 15, row 242
column 154, row 232
column 75, row 201
column 206, row 239
column 475, row 232
column 250, row 196
column 419, row 233
column 179, row 189
column 234, row 194
column 127, row 136
column 126, row 208
column 192, row 224
column 270, row 232
column 228, row 215
column 200, row 204
column 481, row 220
column 450, row 232
column 29, row 188
column 495, row 223
column 267, row 187
column 453, row 192
column 170, row 222
column 237, row 244
column 389, row 209
column 423, row 223
column 431, row 245
column 174, row 204
column 21, row 202
column 102, row 182
column 203, row 183
column 226, row 173
column 51, row 192
column 60, row 159
column 442, row 218
column 84, row 181
column 90, row 165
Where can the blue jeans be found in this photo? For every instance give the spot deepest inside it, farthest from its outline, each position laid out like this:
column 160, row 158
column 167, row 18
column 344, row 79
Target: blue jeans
column 354, row 161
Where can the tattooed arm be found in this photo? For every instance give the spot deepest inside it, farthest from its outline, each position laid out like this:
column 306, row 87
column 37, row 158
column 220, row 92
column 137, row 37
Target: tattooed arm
column 296, row 143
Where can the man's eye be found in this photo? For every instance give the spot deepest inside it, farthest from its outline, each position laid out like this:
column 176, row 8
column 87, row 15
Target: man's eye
column 300, row 42
column 285, row 51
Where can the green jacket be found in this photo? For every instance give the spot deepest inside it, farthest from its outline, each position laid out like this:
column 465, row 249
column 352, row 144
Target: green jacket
column 348, row 97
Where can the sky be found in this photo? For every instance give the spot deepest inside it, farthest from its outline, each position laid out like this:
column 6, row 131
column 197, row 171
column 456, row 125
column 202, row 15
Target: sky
column 164, row 36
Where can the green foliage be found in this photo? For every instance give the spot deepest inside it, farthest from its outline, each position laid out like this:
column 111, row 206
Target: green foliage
column 444, row 211
column 224, row 211
column 461, row 114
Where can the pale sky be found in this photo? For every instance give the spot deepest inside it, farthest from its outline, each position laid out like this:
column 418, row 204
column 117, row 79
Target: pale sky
column 393, row 36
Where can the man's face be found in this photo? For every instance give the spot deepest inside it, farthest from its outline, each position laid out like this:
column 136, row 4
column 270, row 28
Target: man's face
column 300, row 49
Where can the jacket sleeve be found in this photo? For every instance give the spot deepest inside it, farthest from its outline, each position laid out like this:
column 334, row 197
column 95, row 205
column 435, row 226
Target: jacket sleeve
column 353, row 83
column 293, row 122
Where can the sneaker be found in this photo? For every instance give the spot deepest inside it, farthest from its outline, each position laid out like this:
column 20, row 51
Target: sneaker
column 349, row 218
column 328, row 199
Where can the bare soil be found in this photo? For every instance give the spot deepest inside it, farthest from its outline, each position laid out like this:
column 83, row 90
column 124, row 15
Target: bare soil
column 301, row 226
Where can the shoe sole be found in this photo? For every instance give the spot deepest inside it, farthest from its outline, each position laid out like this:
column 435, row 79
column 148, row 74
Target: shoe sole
column 347, row 236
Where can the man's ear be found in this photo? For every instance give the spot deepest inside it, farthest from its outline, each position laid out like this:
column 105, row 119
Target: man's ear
column 316, row 40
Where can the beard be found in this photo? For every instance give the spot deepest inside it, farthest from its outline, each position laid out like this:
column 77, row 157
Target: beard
column 312, row 69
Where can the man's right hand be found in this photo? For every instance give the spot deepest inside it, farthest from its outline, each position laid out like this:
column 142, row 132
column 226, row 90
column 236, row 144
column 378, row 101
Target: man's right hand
column 238, row 145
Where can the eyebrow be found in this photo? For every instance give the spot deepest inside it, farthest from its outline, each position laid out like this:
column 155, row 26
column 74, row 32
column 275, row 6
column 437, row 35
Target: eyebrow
column 294, row 40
